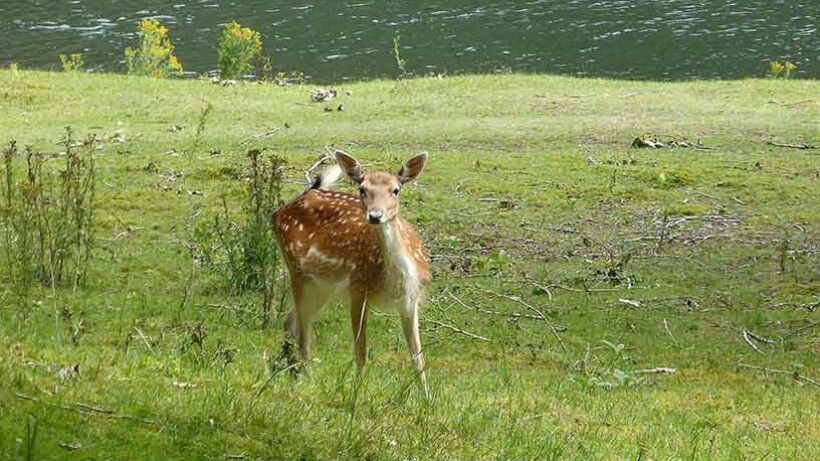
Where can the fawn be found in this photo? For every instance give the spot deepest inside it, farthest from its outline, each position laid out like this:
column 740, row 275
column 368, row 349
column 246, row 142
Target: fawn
column 336, row 245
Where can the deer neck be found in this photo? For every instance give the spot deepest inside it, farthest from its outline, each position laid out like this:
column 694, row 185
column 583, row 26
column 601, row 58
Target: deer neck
column 398, row 263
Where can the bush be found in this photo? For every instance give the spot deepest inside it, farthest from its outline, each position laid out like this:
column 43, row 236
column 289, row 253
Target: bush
column 46, row 218
column 783, row 69
column 243, row 253
column 72, row 62
column 155, row 55
column 238, row 48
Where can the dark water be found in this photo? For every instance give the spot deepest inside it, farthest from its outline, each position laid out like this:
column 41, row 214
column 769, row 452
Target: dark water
column 339, row 40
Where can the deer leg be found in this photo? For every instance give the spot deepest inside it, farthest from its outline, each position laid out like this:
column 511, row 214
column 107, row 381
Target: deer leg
column 309, row 300
column 410, row 328
column 358, row 320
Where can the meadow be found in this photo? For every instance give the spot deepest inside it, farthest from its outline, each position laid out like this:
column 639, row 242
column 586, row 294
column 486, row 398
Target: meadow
column 591, row 300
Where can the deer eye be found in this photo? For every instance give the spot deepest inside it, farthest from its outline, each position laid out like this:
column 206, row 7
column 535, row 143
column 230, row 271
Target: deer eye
column 395, row 192
column 362, row 191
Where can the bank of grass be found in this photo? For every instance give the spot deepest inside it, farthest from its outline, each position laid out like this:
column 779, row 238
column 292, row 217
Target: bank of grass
column 532, row 204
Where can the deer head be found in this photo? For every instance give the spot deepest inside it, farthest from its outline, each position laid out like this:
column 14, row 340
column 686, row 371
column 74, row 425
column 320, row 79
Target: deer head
column 379, row 191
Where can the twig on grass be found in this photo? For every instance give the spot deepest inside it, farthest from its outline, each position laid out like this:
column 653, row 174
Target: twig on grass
column 86, row 409
column 546, row 288
column 656, row 370
column 797, row 376
column 759, row 339
column 666, row 327
column 748, row 340
column 792, row 146
column 458, row 330
column 308, row 174
column 802, row 329
column 513, row 315
column 144, row 339
column 267, row 134
column 540, row 314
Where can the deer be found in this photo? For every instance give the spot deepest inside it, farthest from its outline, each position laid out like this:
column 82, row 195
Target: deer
column 336, row 245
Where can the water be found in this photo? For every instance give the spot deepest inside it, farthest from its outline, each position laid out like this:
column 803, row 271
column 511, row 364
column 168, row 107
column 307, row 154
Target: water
column 337, row 40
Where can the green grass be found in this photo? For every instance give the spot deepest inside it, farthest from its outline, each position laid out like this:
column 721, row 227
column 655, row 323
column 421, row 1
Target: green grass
column 531, row 182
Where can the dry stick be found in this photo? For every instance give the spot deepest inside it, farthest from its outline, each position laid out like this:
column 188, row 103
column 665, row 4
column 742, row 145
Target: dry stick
column 573, row 290
column 759, row 338
column 666, row 327
column 801, row 329
column 656, row 370
column 515, row 315
column 794, row 374
column 86, row 409
column 537, row 311
column 748, row 340
column 315, row 166
column 458, row 330
column 792, row 146
column 144, row 339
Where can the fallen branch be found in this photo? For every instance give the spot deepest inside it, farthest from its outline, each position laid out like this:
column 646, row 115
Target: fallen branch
column 666, row 327
column 260, row 136
column 86, row 409
column 537, row 311
column 144, row 339
column 797, row 376
column 748, row 340
column 801, row 329
column 325, row 158
column 792, row 146
column 514, row 315
column 759, row 338
column 656, row 370
column 458, row 330
column 573, row 290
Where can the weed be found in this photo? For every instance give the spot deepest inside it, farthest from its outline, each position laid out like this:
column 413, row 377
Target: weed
column 155, row 55
column 294, row 77
column 201, row 124
column 238, row 49
column 49, row 233
column 245, row 254
column 782, row 70
column 400, row 62
column 598, row 370
column 72, row 62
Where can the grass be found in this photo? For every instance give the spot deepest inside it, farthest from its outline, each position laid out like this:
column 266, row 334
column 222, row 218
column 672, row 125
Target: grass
column 532, row 204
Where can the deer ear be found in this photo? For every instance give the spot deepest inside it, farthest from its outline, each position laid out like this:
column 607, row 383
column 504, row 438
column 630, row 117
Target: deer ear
column 351, row 167
column 412, row 168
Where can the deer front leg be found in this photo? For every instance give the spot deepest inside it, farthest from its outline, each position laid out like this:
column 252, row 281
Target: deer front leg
column 358, row 320
column 410, row 328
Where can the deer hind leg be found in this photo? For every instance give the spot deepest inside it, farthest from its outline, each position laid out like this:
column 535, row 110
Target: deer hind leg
column 410, row 328
column 358, row 320
column 309, row 298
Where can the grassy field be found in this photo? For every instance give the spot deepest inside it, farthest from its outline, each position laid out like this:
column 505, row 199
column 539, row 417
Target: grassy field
column 568, row 267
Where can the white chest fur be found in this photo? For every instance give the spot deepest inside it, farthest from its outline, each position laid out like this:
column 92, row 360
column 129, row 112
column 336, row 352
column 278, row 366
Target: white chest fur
column 402, row 278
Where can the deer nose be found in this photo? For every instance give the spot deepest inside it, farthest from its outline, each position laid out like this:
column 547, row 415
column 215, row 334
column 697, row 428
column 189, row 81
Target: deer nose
column 375, row 217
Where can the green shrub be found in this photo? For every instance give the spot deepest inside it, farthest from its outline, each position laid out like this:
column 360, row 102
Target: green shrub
column 46, row 216
column 783, row 69
column 72, row 62
column 238, row 49
column 155, row 55
column 241, row 251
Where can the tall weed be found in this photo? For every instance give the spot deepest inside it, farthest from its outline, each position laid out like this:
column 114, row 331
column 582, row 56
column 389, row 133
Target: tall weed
column 155, row 55
column 47, row 216
column 238, row 49
column 242, row 250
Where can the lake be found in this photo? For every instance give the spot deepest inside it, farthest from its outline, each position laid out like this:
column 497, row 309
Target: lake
column 337, row 41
